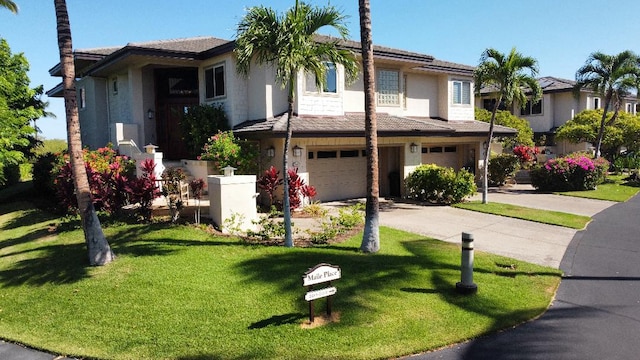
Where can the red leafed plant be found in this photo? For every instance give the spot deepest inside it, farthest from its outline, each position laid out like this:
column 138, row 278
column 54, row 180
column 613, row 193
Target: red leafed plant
column 308, row 191
column 526, row 154
column 295, row 185
column 269, row 182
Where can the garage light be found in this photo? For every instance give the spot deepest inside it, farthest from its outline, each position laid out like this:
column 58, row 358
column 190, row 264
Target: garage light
column 297, row 151
column 413, row 147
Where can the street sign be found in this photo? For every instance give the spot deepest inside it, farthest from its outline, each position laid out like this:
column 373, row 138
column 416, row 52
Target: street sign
column 318, row 294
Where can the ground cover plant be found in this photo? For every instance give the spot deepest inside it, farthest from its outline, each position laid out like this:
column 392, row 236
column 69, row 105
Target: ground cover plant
column 176, row 292
column 530, row 214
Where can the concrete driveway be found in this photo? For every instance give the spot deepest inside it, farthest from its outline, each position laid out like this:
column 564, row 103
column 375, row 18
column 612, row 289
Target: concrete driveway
column 523, row 240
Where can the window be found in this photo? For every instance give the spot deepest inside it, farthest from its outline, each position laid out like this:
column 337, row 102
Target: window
column 596, row 103
column 349, row 153
column 629, row 108
column 114, row 86
column 82, row 98
column 404, row 92
column 462, row 92
column 450, row 149
column 330, row 84
column 388, row 87
column 532, row 109
column 327, row 154
column 214, row 81
column 488, row 104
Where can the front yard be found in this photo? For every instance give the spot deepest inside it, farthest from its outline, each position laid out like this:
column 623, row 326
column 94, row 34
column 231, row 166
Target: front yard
column 176, row 292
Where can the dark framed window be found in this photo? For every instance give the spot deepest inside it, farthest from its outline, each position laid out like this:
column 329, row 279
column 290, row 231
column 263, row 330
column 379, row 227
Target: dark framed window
column 214, row 81
column 532, row 109
column 450, row 149
column 435, row 149
column 327, row 154
column 349, row 153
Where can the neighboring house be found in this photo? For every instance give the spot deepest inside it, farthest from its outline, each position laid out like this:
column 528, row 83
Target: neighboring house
column 425, row 109
column 557, row 106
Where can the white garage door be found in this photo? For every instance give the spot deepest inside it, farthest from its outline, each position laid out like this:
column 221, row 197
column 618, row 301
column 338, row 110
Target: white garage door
column 446, row 156
column 338, row 174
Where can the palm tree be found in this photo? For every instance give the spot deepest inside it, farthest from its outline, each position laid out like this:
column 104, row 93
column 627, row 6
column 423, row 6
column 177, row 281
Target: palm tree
column 612, row 77
column 12, row 6
column 287, row 43
column 97, row 246
column 371, row 236
column 513, row 77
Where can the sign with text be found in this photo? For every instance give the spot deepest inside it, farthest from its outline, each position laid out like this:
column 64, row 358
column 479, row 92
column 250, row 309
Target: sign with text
column 321, row 273
column 317, row 294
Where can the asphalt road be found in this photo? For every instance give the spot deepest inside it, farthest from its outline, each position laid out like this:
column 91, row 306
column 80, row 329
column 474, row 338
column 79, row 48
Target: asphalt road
column 596, row 313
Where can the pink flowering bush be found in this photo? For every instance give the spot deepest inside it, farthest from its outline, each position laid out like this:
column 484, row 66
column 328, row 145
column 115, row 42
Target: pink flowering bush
column 574, row 172
column 224, row 150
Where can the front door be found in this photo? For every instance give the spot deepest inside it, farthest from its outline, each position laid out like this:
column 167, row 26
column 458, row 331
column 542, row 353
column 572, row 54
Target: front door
column 176, row 91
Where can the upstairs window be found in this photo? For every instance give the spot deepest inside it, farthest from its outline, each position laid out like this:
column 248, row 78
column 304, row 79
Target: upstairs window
column 461, row 92
column 532, row 109
column 330, row 84
column 82, row 98
column 214, row 81
column 388, row 87
column 596, row 103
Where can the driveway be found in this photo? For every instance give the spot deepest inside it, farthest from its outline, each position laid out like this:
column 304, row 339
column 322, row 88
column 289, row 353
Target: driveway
column 523, row 240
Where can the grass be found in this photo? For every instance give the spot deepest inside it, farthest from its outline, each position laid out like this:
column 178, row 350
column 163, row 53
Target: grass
column 530, row 214
column 176, row 292
column 614, row 189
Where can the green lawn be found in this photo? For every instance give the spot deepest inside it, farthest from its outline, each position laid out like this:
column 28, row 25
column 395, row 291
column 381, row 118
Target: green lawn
column 176, row 292
column 614, row 189
column 520, row 212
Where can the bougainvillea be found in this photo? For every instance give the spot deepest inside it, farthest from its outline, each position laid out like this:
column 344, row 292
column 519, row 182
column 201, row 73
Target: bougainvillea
column 570, row 173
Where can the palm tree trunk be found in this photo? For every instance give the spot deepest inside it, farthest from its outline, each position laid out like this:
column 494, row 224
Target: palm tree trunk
column 371, row 236
column 98, row 248
column 487, row 154
column 286, row 205
column 603, row 122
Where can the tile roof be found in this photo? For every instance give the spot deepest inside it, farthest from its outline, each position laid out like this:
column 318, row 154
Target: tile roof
column 352, row 124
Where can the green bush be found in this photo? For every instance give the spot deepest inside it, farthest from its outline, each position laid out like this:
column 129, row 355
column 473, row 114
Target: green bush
column 199, row 123
column 439, row 185
column 43, row 175
column 9, row 175
column 501, row 168
column 575, row 172
column 224, row 150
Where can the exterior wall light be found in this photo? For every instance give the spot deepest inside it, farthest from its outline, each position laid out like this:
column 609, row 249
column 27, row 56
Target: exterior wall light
column 271, row 151
column 150, row 114
column 297, row 151
column 413, row 147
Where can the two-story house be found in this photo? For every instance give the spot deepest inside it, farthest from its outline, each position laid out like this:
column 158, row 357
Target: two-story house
column 558, row 105
column 424, row 109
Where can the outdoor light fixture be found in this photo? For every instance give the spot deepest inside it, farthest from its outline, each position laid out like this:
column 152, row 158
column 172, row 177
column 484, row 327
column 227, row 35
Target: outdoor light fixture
column 413, row 147
column 150, row 114
column 271, row 151
column 297, row 151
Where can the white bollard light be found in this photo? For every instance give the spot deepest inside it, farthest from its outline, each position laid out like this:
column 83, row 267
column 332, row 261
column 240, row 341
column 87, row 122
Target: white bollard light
column 466, row 284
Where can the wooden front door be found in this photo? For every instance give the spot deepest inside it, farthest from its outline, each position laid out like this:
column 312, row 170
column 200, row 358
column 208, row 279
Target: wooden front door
column 176, row 91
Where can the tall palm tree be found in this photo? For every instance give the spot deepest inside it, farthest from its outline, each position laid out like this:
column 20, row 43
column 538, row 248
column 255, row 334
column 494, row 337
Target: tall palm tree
column 286, row 42
column 371, row 236
column 12, row 6
column 514, row 78
column 97, row 246
column 612, row 77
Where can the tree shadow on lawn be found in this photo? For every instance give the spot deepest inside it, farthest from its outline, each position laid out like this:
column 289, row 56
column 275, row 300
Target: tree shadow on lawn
column 366, row 276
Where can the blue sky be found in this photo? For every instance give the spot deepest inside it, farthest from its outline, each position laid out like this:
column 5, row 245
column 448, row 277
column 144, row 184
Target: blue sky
column 559, row 33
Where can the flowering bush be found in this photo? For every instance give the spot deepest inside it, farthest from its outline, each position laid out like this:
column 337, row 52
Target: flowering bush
column 526, row 154
column 224, row 150
column 570, row 173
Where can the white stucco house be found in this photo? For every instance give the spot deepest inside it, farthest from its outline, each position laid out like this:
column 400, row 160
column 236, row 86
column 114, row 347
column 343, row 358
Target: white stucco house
column 557, row 106
column 425, row 109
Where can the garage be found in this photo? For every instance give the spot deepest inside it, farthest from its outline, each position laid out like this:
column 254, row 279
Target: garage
column 445, row 156
column 337, row 173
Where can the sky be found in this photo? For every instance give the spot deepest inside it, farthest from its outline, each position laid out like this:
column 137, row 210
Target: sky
column 560, row 34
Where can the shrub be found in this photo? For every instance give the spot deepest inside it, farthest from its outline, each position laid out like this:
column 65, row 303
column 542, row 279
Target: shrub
column 269, row 182
column 526, row 154
column 43, row 176
column 144, row 190
column 570, row 173
column 501, row 168
column 333, row 226
column 224, row 150
column 199, row 122
column 9, row 175
column 439, row 185
column 171, row 189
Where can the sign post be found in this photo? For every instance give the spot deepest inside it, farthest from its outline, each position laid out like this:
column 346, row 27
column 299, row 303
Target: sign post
column 320, row 274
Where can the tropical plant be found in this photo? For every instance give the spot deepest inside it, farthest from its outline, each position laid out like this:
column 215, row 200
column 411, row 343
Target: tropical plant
column 197, row 188
column 526, row 154
column 286, row 41
column 10, row 5
column 612, row 77
column 98, row 247
column 200, row 122
column 269, row 182
column 143, row 190
column 510, row 75
column 172, row 178
column 440, row 185
column 371, row 234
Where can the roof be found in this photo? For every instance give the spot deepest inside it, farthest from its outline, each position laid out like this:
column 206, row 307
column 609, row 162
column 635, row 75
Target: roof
column 353, row 125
